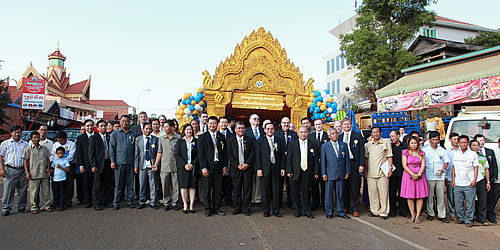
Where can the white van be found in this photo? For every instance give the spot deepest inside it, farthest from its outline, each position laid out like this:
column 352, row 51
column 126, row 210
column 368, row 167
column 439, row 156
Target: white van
column 474, row 120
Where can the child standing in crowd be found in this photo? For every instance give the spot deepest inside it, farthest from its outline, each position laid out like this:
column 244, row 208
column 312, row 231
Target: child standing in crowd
column 61, row 167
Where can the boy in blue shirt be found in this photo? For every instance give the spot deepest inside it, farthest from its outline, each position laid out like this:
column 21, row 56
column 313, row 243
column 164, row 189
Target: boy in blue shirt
column 61, row 167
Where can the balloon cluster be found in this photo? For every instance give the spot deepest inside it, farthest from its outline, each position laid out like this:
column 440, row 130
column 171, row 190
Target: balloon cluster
column 191, row 105
column 323, row 105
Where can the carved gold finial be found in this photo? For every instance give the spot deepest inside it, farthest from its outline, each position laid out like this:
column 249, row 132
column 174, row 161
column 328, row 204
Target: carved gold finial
column 207, row 79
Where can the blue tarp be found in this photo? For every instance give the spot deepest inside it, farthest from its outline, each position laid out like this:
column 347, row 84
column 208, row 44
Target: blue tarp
column 352, row 116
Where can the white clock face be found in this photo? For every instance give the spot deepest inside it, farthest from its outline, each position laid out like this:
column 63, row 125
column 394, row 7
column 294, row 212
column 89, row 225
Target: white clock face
column 259, row 84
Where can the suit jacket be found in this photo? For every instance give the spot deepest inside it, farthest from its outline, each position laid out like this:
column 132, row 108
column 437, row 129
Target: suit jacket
column 291, row 135
column 181, row 154
column 263, row 153
column 293, row 159
column 249, row 133
column 357, row 144
column 333, row 166
column 82, row 151
column 206, row 151
column 140, row 152
column 97, row 151
column 492, row 162
column 324, row 138
column 229, row 134
column 233, row 157
column 137, row 129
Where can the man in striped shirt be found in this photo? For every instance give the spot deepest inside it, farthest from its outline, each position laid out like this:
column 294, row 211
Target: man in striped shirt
column 12, row 169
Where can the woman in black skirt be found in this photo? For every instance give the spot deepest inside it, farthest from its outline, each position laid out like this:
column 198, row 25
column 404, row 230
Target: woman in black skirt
column 186, row 158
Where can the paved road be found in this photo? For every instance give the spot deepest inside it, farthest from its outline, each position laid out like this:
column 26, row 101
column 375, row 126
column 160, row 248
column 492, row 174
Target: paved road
column 147, row 228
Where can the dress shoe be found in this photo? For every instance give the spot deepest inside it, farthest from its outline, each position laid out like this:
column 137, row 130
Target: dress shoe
column 22, row 210
column 191, row 211
column 355, row 214
column 246, row 213
column 108, row 204
column 459, row 222
column 155, row 207
column 141, row 206
column 116, row 207
column 219, row 212
column 208, row 213
column 277, row 214
column 430, row 218
column 383, row 217
column 469, row 225
column 266, row 214
column 185, row 211
column 344, row 216
column 87, row 205
column 329, row 216
column 372, row 215
column 5, row 213
column 310, row 216
column 79, row 203
column 443, row 220
column 175, row 208
column 493, row 221
column 236, row 211
column 98, row 208
column 453, row 218
column 166, row 208
column 130, row 206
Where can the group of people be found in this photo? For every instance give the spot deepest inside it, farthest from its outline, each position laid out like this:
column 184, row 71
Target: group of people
column 220, row 160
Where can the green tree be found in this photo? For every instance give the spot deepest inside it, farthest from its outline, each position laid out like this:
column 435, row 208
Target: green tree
column 485, row 39
column 376, row 47
column 4, row 101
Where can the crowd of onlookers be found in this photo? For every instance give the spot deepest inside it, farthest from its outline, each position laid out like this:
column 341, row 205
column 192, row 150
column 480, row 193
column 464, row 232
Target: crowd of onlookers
column 219, row 161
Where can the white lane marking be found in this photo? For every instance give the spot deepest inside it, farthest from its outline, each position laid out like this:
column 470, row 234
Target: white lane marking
column 258, row 232
column 413, row 244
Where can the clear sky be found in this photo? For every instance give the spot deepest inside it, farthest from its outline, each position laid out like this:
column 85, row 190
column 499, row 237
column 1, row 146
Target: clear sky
column 131, row 46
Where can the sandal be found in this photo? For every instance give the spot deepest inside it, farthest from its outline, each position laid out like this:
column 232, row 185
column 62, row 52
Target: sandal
column 412, row 220
column 34, row 212
column 49, row 210
column 417, row 221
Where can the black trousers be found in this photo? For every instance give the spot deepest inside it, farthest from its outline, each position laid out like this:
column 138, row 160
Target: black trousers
column 301, row 195
column 481, row 193
column 351, row 190
column 492, row 201
column 87, row 185
column 317, row 187
column 397, row 202
column 242, row 191
column 227, row 189
column 58, row 188
column 213, row 188
column 270, row 190
column 103, row 185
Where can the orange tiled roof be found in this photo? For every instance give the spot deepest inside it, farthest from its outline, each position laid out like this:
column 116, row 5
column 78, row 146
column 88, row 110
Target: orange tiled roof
column 76, row 88
column 108, row 103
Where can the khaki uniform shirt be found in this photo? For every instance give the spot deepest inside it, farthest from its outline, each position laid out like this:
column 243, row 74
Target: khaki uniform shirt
column 38, row 160
column 166, row 147
column 377, row 154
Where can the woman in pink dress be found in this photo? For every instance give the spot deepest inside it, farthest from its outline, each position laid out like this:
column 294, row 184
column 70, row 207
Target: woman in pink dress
column 414, row 184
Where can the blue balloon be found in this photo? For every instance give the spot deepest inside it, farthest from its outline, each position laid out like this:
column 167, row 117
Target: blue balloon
column 183, row 101
column 329, row 118
column 334, row 105
column 313, row 105
column 320, row 98
column 322, row 116
column 313, row 118
column 317, row 93
column 315, row 100
column 325, row 112
column 201, row 95
column 191, row 98
column 327, row 91
column 194, row 116
column 311, row 110
column 205, row 105
column 191, row 107
column 197, row 99
column 317, row 109
column 316, row 116
column 328, row 104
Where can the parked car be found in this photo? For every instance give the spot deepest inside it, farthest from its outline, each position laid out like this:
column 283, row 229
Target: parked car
column 51, row 135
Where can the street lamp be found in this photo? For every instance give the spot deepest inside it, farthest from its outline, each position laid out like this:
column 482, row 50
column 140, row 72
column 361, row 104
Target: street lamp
column 138, row 95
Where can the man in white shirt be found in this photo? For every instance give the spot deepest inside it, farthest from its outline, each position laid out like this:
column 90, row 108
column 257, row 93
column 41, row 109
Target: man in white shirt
column 203, row 122
column 44, row 141
column 453, row 137
column 464, row 173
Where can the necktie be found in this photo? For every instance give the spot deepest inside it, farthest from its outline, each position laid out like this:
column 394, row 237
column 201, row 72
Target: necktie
column 106, row 154
column 241, row 153
column 318, row 136
column 214, row 140
column 303, row 156
column 256, row 133
column 347, row 139
column 286, row 138
column 336, row 149
column 147, row 156
column 273, row 158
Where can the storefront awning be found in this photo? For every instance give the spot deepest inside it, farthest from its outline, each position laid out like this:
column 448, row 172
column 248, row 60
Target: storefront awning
column 443, row 76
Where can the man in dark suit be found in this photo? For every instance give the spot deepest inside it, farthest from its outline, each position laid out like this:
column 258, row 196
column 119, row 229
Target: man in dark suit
column 319, row 136
column 254, row 132
column 138, row 129
column 102, row 189
column 146, row 147
column 212, row 156
column 356, row 149
column 241, row 156
column 270, row 164
column 227, row 184
column 335, row 168
column 287, row 136
column 491, row 202
column 302, row 167
column 83, row 161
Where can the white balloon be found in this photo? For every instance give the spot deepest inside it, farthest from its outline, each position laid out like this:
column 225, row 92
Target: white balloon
column 198, row 107
column 187, row 111
column 185, row 116
column 333, row 116
column 330, row 110
column 323, row 94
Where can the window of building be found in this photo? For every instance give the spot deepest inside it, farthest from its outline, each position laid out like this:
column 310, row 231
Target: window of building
column 338, row 63
column 333, row 64
column 429, row 33
column 343, row 61
column 328, row 67
column 338, row 85
column 332, row 87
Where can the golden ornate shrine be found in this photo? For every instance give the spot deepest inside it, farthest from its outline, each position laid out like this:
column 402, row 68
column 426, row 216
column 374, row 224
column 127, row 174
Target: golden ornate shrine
column 257, row 78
